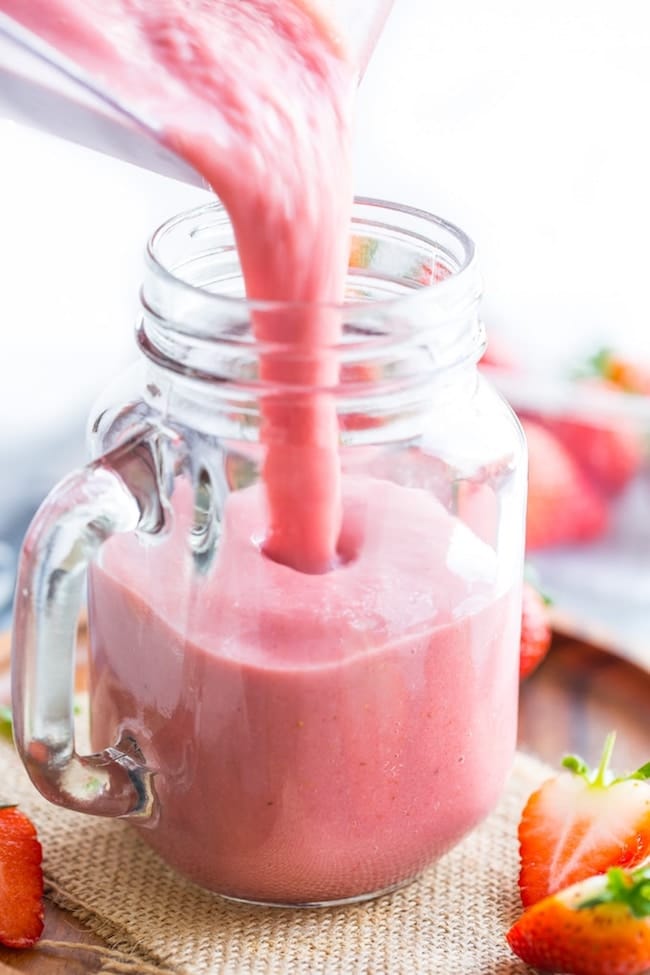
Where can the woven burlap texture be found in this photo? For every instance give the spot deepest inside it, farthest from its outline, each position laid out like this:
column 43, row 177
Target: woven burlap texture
column 449, row 922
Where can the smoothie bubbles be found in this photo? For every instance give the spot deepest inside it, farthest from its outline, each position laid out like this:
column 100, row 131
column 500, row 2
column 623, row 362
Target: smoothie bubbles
column 303, row 522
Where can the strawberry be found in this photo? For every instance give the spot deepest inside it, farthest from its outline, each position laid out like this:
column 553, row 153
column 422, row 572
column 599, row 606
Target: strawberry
column 609, row 455
column 580, row 823
column 610, row 452
column 562, row 504
column 498, row 355
column 425, row 271
column 535, row 630
column 600, row 926
column 21, row 880
column 362, row 252
column 622, row 373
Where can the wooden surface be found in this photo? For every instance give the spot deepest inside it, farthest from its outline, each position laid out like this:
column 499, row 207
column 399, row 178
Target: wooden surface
column 577, row 695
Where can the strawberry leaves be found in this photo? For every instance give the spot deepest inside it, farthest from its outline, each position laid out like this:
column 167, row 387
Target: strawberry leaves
column 629, row 888
column 602, row 776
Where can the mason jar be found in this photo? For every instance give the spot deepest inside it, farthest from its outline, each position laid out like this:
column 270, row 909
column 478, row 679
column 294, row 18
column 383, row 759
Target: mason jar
column 281, row 726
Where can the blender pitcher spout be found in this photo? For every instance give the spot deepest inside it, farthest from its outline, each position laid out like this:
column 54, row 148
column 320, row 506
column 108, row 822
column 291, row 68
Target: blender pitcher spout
column 41, row 87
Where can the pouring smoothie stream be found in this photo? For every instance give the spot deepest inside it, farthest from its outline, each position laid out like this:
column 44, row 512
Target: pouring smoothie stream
column 257, row 96
column 327, row 701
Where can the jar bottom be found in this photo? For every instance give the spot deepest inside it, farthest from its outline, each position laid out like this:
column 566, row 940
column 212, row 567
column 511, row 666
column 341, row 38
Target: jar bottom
column 309, row 905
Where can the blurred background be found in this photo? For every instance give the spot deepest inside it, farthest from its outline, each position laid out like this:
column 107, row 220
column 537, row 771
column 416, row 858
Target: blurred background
column 523, row 123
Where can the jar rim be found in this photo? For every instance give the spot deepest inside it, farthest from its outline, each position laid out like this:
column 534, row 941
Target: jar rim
column 463, row 280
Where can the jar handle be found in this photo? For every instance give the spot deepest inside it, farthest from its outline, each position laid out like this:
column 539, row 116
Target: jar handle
column 117, row 493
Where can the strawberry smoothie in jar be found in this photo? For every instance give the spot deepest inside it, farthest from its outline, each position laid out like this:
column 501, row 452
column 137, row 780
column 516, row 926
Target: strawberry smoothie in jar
column 304, row 519
column 284, row 736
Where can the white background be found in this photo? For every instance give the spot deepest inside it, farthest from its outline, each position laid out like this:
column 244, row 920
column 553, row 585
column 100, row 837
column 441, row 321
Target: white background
column 525, row 123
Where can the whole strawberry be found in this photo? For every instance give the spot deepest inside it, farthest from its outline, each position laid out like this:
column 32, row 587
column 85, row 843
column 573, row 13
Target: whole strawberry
column 498, row 355
column 563, row 506
column 581, row 823
column 610, row 452
column 21, row 880
column 599, row 926
column 535, row 630
column 621, row 371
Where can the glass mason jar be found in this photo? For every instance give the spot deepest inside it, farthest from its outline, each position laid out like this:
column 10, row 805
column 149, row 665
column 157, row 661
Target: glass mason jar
column 287, row 735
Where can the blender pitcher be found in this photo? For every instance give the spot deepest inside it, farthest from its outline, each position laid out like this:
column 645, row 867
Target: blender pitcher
column 41, row 87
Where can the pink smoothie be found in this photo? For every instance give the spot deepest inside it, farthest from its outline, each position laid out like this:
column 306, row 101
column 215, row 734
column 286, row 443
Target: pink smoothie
column 257, row 96
column 321, row 736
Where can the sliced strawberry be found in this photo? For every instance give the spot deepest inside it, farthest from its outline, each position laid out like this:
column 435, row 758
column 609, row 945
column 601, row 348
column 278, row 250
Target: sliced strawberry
column 535, row 630
column 562, row 505
column 21, row 880
column 581, row 823
column 600, row 926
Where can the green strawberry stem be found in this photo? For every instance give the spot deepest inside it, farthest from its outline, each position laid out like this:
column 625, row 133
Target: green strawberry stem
column 602, row 777
column 576, row 765
column 594, row 365
column 599, row 362
column 603, row 774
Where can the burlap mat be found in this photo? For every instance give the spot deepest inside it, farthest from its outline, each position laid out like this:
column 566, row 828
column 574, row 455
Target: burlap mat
column 449, row 922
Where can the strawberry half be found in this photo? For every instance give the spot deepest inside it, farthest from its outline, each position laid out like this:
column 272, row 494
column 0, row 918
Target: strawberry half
column 21, row 880
column 600, row 926
column 535, row 630
column 581, row 823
